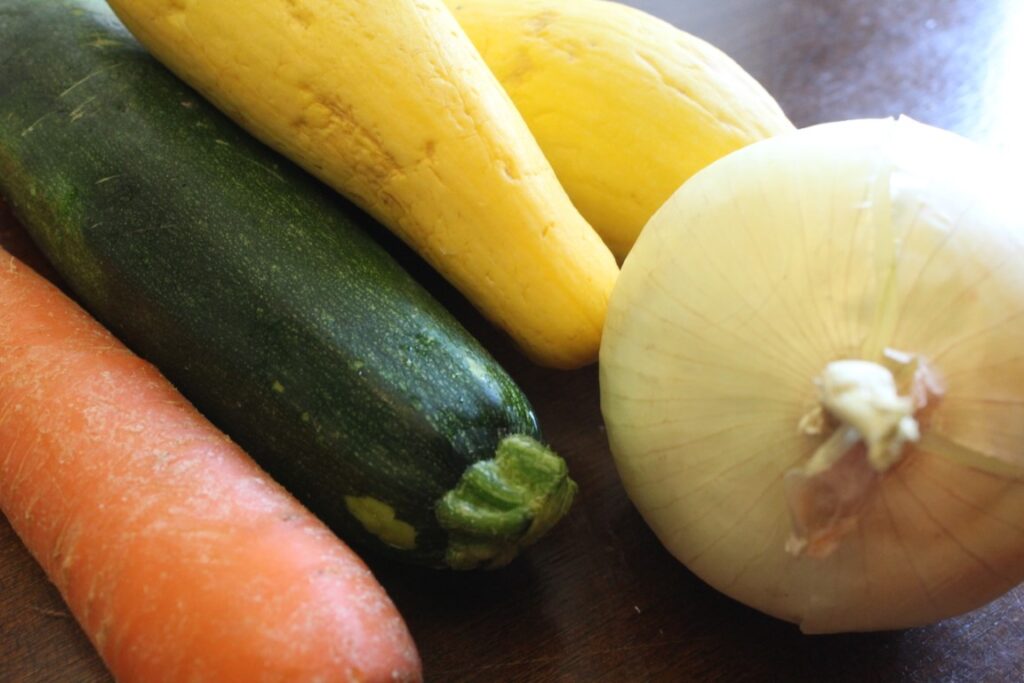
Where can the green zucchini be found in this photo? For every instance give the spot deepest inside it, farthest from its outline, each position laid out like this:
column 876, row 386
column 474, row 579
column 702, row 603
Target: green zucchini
column 260, row 294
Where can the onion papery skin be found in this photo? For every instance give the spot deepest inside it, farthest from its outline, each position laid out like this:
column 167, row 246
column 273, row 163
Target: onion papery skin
column 838, row 241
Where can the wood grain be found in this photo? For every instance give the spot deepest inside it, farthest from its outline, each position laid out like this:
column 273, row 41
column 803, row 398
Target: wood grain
column 600, row 600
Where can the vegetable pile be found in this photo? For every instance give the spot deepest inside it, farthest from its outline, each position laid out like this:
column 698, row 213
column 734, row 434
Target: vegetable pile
column 810, row 362
column 263, row 298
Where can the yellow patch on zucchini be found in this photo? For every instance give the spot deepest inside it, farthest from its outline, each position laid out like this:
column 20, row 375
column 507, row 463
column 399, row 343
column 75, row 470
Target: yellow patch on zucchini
column 379, row 519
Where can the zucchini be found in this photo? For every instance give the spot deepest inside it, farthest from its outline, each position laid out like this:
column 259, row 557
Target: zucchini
column 259, row 293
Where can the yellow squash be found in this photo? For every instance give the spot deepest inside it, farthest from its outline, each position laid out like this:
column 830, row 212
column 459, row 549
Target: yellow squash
column 389, row 102
column 625, row 106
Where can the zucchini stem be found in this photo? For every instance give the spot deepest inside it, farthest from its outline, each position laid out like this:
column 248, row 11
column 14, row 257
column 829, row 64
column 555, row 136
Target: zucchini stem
column 504, row 504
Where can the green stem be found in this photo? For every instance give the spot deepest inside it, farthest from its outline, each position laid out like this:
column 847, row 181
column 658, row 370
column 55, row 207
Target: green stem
column 504, row 504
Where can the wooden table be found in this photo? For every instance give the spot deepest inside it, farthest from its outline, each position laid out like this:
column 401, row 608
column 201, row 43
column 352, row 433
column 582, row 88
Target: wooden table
column 599, row 600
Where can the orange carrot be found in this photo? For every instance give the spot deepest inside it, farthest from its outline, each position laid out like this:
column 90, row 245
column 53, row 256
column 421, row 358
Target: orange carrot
column 179, row 557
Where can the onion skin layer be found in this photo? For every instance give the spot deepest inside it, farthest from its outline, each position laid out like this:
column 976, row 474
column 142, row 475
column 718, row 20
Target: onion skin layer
column 835, row 242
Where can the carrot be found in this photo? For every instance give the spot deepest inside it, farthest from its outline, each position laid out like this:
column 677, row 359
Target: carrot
column 179, row 557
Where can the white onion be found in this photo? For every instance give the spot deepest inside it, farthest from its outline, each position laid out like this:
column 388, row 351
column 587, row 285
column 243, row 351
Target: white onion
column 882, row 241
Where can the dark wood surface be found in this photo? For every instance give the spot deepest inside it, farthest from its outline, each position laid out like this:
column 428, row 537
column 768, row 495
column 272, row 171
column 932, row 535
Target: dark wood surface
column 599, row 600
